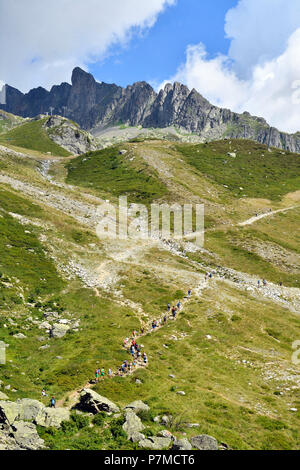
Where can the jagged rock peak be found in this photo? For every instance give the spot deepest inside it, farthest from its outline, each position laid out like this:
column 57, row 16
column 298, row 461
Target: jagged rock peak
column 80, row 75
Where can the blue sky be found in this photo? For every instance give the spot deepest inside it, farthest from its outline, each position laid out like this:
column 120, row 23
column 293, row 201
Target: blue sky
column 156, row 53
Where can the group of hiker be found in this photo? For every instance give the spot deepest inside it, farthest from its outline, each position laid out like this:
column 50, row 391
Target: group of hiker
column 263, row 283
column 138, row 356
column 266, row 211
column 208, row 276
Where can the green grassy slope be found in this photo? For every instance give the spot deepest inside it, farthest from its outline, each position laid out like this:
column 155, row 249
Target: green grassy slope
column 31, row 135
column 229, row 350
column 254, row 171
column 106, row 171
column 8, row 121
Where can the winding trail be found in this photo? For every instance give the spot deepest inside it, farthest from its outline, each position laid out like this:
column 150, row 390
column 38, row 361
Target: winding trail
column 255, row 218
column 73, row 397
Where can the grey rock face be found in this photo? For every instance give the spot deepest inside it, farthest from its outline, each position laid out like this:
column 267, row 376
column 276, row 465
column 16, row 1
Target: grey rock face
column 90, row 103
column 59, row 330
column 182, row 444
column 137, row 437
column 132, row 425
column 9, row 411
column 26, row 436
column 137, row 406
column 155, row 443
column 69, row 136
column 52, row 417
column 32, row 410
column 94, row 403
column 29, row 409
column 204, row 442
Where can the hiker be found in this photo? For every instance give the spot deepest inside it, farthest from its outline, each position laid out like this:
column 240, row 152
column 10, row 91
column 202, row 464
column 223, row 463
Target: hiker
column 169, row 307
column 97, row 375
column 264, row 283
column 179, row 305
column 110, row 373
column 210, row 275
column 102, row 373
column 189, row 293
column 44, row 394
column 53, row 402
column 142, row 330
column 153, row 325
column 258, row 283
column 165, row 319
column 145, row 359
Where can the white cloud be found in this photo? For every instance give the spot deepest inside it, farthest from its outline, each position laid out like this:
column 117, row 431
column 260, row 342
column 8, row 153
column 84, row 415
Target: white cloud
column 259, row 31
column 261, row 73
column 45, row 39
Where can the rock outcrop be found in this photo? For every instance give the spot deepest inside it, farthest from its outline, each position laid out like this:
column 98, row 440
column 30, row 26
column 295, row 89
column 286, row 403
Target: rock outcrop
column 182, row 444
column 26, row 436
column 155, row 443
column 137, row 406
column 94, row 403
column 18, row 422
column 69, row 135
column 33, row 411
column 59, row 330
column 20, row 436
column 90, row 103
column 204, row 442
column 133, row 426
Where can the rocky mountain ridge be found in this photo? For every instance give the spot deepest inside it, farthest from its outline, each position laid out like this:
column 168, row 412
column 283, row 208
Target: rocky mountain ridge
column 90, row 104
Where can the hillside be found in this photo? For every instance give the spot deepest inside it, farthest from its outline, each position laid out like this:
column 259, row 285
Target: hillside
column 53, row 135
column 100, row 105
column 68, row 299
column 8, row 121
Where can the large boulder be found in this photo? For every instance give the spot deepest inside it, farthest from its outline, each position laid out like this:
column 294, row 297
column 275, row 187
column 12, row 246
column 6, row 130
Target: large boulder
column 137, row 406
column 204, row 442
column 59, row 330
column 32, row 410
column 155, row 443
column 137, row 437
column 94, row 403
column 26, row 436
column 132, row 425
column 29, row 409
column 9, row 412
column 182, row 444
column 7, row 442
column 52, row 417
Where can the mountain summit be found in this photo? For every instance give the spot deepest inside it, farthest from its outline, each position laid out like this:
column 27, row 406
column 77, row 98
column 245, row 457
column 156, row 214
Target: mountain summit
column 91, row 104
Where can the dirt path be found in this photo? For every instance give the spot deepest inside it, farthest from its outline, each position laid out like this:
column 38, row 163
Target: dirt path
column 73, row 397
column 255, row 218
